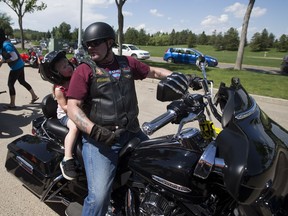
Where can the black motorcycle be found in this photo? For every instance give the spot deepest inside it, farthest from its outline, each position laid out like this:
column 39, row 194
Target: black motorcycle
column 241, row 169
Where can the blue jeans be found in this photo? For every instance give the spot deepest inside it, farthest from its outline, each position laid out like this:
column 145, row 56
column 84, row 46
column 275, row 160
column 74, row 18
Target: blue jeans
column 100, row 163
column 64, row 120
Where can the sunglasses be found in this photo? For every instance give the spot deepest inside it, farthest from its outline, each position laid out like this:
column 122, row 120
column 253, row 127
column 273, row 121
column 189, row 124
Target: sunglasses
column 94, row 43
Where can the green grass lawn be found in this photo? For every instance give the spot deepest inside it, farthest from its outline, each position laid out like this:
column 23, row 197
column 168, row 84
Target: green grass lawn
column 254, row 82
column 271, row 58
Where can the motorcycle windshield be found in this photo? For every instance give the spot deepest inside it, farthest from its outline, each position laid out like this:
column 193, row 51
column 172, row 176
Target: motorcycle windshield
column 254, row 148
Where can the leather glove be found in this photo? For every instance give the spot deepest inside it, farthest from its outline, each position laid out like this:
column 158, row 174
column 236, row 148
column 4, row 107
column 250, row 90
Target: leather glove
column 101, row 134
column 177, row 82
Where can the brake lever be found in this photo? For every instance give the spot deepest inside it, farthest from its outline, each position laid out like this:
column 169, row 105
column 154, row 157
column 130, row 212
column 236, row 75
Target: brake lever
column 190, row 118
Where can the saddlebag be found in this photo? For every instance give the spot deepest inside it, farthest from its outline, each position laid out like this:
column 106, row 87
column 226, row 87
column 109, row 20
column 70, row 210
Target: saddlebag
column 32, row 160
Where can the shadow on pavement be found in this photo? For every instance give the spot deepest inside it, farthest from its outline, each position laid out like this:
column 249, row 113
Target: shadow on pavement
column 12, row 120
column 58, row 208
column 258, row 70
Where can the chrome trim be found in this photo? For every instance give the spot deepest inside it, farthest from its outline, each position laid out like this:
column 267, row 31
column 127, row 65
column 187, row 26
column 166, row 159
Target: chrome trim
column 248, row 112
column 24, row 164
column 190, row 118
column 44, row 130
column 54, row 197
column 150, row 127
column 171, row 184
column 206, row 162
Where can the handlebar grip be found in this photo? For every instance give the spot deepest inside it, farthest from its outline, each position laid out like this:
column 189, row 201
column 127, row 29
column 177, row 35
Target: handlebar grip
column 150, row 127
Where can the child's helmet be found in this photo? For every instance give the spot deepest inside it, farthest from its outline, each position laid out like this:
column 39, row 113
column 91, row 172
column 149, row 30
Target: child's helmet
column 46, row 68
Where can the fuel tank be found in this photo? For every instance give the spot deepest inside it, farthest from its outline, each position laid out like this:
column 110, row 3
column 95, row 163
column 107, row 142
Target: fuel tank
column 164, row 161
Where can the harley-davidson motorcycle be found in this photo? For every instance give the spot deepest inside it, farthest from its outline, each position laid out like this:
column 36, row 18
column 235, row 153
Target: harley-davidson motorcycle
column 240, row 169
column 32, row 57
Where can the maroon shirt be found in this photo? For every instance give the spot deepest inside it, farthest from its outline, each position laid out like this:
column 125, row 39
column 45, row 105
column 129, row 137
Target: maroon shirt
column 82, row 76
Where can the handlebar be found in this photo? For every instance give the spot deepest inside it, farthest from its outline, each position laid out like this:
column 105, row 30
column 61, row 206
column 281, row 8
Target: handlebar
column 150, row 127
column 189, row 104
column 205, row 85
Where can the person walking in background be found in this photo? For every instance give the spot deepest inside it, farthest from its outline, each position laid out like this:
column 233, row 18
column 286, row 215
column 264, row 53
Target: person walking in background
column 57, row 69
column 11, row 56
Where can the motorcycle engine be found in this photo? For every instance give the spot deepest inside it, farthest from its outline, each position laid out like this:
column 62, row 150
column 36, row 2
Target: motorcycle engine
column 155, row 204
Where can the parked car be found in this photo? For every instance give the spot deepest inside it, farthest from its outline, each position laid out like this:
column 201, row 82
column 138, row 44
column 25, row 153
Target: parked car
column 284, row 64
column 14, row 41
column 132, row 50
column 187, row 56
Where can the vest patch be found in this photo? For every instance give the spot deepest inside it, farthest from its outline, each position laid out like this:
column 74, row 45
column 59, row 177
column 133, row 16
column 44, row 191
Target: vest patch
column 115, row 73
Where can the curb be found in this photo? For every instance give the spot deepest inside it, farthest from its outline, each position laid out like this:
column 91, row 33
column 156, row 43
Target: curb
column 266, row 99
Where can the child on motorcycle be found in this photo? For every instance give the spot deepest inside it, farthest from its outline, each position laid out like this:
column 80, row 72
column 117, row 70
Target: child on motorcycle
column 57, row 69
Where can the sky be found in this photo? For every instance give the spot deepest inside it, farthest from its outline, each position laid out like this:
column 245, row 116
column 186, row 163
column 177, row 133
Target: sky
column 160, row 15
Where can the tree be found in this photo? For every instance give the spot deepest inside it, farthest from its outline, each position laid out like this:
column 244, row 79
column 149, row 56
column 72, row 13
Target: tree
column 256, row 42
column 142, row 38
column 5, row 23
column 240, row 53
column 120, row 4
column 265, row 39
column 262, row 42
column 63, row 31
column 202, row 39
column 271, row 39
column 212, row 39
column 21, row 7
column 74, row 35
column 192, row 39
column 231, row 39
column 131, row 36
column 219, row 43
column 282, row 44
column 172, row 39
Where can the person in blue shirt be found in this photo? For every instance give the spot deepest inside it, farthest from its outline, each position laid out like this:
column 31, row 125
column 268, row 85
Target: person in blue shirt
column 11, row 56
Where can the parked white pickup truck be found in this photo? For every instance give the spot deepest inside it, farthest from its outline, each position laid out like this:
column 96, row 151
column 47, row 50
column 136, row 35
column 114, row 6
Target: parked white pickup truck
column 132, row 50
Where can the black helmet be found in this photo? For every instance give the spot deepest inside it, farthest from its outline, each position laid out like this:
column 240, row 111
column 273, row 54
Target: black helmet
column 46, row 68
column 98, row 30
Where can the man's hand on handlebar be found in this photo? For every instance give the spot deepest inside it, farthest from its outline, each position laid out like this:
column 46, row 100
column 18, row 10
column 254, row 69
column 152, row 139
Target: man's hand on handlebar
column 101, row 134
column 178, row 82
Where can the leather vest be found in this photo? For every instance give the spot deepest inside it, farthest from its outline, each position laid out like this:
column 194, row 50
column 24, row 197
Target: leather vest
column 112, row 102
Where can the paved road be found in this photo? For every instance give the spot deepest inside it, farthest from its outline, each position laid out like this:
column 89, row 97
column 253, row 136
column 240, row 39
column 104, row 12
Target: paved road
column 272, row 70
column 17, row 200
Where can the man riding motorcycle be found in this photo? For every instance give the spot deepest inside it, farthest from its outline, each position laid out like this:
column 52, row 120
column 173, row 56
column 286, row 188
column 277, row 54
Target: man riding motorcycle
column 103, row 104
